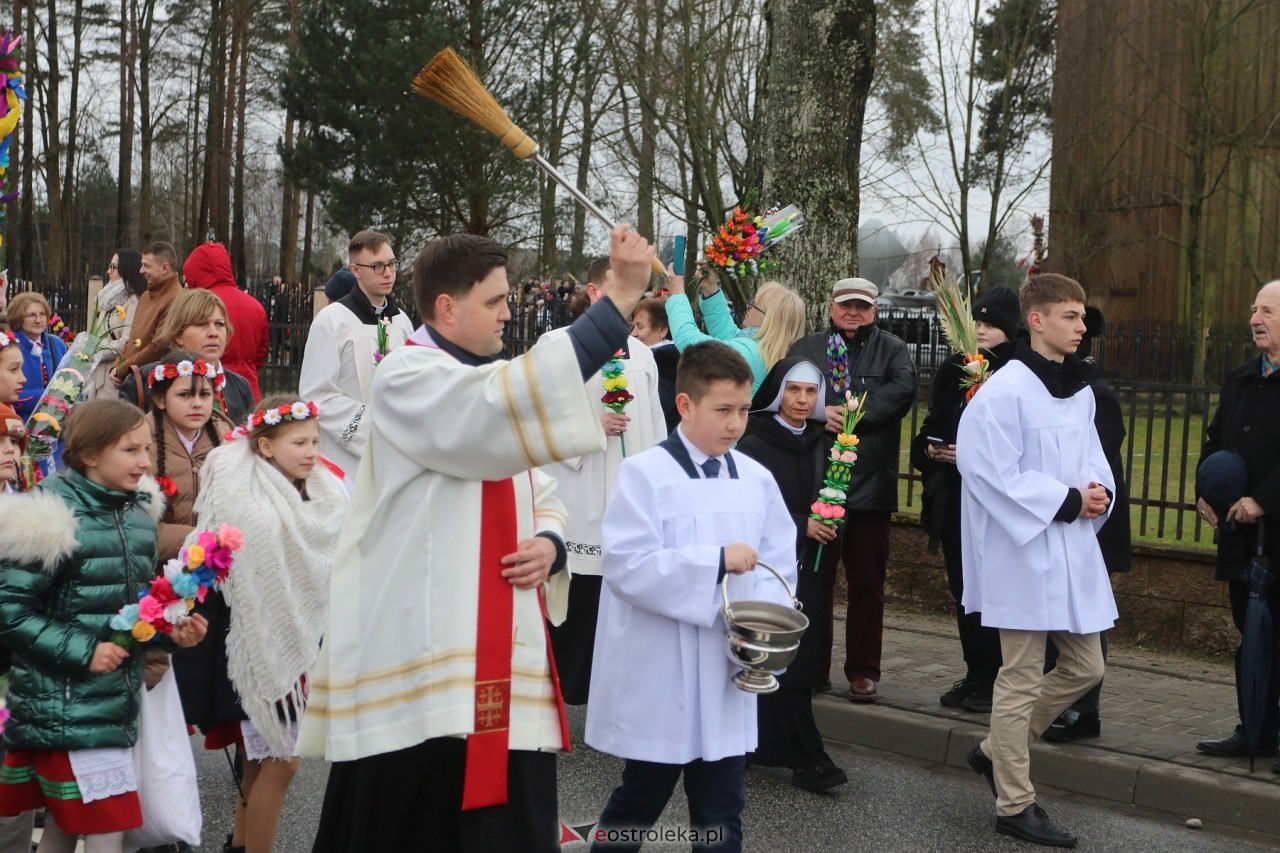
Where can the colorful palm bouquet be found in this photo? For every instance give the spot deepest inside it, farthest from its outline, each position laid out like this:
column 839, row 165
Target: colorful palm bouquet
column 616, row 396
column 203, row 563
column 383, row 341
column 829, row 509
column 12, row 95
column 59, row 327
column 955, row 315
column 736, row 248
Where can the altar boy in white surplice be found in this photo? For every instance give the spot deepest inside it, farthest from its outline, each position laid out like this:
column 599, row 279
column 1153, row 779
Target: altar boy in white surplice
column 435, row 694
column 1037, row 487
column 685, row 517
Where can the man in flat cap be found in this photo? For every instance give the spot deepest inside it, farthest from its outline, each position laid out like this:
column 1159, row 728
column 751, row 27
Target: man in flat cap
column 857, row 356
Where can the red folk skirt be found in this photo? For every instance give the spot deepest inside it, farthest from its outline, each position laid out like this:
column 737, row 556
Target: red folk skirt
column 42, row 778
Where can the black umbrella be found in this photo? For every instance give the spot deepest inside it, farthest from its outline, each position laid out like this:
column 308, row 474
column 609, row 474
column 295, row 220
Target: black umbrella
column 1255, row 649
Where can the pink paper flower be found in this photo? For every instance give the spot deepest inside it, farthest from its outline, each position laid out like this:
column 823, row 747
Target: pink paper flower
column 219, row 559
column 207, row 540
column 837, row 512
column 150, row 610
column 230, row 536
column 848, row 456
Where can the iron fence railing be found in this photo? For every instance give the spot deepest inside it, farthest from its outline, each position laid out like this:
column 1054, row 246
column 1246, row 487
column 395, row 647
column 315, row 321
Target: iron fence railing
column 1165, row 420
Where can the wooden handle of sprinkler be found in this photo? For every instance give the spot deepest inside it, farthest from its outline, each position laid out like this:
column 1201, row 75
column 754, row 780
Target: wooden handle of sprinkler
column 554, row 174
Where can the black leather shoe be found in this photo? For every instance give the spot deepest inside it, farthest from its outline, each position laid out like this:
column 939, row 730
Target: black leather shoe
column 1237, row 745
column 1072, row 725
column 982, row 766
column 1034, row 825
column 979, row 701
column 819, row 777
column 960, row 691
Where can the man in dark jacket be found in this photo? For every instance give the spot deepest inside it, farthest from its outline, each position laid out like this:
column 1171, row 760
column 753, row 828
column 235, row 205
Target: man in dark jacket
column 1248, row 412
column 857, row 356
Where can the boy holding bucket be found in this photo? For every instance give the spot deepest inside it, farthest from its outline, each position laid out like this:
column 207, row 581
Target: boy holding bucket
column 685, row 516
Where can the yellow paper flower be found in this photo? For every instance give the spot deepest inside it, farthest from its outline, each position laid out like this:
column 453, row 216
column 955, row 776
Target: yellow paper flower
column 845, row 438
column 143, row 631
column 195, row 556
column 45, row 417
column 120, row 311
column 137, row 342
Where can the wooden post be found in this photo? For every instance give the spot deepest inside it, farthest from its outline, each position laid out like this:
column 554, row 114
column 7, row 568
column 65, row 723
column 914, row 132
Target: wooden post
column 91, row 306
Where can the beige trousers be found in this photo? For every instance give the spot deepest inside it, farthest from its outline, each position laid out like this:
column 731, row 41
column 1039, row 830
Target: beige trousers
column 1026, row 700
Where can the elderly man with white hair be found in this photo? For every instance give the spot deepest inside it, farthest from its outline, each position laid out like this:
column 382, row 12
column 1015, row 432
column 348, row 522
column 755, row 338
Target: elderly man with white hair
column 1248, row 412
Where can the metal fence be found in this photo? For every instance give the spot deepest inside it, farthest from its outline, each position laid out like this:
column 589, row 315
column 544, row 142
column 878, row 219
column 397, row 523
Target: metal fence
column 1165, row 420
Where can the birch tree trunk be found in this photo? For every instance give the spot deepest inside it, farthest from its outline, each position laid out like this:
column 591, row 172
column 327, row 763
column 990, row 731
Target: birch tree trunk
column 820, row 64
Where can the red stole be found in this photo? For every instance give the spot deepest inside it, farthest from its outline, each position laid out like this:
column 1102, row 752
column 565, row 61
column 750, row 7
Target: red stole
column 485, row 781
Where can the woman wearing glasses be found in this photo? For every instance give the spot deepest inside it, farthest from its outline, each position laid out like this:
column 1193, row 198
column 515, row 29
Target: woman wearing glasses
column 41, row 351
column 125, row 285
column 773, row 321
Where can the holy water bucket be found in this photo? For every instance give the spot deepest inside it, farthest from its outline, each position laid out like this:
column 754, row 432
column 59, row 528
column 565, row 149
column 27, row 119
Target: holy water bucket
column 763, row 637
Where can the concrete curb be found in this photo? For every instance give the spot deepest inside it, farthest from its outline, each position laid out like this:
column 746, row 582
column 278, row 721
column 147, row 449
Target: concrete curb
column 1183, row 792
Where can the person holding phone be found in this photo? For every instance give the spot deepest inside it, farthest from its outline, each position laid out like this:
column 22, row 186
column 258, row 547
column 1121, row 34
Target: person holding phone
column 933, row 453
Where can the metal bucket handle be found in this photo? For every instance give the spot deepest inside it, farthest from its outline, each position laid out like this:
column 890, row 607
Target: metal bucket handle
column 724, row 589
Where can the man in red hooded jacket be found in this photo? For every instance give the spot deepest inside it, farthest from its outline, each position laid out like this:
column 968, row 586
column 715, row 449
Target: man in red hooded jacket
column 209, row 267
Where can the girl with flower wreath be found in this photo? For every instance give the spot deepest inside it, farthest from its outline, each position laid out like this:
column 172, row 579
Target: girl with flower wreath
column 248, row 684
column 772, row 322
column 72, row 554
column 180, row 387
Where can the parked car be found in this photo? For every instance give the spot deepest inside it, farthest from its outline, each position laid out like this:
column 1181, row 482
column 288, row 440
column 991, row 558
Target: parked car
column 908, row 298
column 920, row 330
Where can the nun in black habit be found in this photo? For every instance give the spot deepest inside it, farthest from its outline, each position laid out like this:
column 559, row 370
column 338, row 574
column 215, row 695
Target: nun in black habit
column 784, row 434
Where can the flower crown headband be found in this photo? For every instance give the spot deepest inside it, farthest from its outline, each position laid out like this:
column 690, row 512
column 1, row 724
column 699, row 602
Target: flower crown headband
column 298, row 411
column 7, row 337
column 169, row 372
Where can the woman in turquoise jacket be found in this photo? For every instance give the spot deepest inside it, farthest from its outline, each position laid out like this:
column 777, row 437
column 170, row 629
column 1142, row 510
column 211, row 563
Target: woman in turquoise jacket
column 773, row 321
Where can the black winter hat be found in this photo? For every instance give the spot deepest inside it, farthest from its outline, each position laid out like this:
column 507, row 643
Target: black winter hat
column 1000, row 308
column 1095, row 326
column 340, row 284
column 1221, row 480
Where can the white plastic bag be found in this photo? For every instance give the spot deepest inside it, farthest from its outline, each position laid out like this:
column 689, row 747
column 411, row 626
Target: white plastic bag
column 166, row 772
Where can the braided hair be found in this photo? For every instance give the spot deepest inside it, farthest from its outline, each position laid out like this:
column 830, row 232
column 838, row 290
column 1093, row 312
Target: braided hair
column 159, row 387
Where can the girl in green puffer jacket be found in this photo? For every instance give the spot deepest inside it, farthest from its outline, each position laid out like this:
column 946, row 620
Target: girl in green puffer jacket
column 71, row 555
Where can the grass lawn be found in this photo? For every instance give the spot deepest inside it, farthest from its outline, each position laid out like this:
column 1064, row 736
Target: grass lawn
column 1161, row 452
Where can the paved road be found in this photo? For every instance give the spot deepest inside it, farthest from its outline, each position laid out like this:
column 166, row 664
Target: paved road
column 891, row 803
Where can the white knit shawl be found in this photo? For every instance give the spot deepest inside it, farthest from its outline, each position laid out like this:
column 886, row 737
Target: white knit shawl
column 278, row 588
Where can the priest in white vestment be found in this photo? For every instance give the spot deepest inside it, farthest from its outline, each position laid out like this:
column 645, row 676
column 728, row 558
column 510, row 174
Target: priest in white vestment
column 1037, row 487
column 435, row 695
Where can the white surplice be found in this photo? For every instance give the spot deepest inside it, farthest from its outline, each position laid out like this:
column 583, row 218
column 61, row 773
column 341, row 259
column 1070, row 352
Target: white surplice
column 337, row 375
column 1019, row 450
column 398, row 662
column 660, row 686
column 586, row 482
